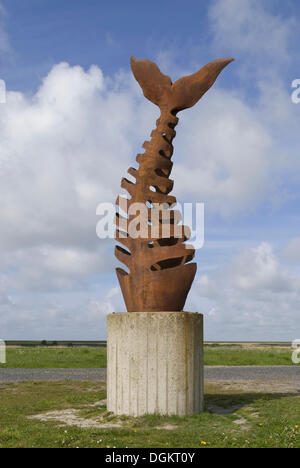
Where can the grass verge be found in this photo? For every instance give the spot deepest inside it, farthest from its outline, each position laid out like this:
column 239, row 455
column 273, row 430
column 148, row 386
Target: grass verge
column 233, row 418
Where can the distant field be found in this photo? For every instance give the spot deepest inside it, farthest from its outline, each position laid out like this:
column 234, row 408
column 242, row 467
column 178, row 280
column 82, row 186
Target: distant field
column 247, row 356
column 92, row 355
column 60, row 358
column 51, row 343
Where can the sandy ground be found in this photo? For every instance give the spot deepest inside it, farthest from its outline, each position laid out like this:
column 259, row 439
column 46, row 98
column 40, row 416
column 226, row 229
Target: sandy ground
column 73, row 417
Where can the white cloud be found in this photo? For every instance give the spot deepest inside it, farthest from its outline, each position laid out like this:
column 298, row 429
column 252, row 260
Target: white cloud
column 50, row 268
column 292, row 251
column 64, row 150
column 45, row 318
column 228, row 155
column 113, row 292
column 98, row 310
column 251, row 297
column 249, row 31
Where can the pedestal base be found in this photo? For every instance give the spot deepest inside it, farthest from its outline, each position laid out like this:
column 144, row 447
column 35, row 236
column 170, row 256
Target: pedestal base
column 155, row 363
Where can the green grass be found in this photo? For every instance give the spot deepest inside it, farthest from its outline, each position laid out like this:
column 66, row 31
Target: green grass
column 226, row 356
column 268, row 420
column 47, row 358
column 216, row 354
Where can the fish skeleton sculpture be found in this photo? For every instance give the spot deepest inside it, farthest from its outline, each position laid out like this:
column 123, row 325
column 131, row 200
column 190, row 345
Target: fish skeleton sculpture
column 159, row 274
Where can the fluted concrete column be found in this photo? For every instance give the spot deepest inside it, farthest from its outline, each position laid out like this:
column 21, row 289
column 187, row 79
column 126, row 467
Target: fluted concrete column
column 155, row 363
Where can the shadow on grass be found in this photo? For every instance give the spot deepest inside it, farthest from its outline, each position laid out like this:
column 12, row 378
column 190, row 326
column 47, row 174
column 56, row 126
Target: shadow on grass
column 229, row 403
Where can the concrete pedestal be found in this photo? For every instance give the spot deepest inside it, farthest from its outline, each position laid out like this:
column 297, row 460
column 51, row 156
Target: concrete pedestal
column 155, row 363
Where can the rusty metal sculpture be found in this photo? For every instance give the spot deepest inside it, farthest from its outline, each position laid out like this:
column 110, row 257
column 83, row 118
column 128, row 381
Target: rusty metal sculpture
column 160, row 275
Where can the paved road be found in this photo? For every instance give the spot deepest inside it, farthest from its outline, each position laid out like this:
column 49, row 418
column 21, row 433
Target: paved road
column 252, row 373
column 248, row 373
column 51, row 375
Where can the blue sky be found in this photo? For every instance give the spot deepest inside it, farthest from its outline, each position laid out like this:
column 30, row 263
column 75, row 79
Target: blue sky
column 74, row 121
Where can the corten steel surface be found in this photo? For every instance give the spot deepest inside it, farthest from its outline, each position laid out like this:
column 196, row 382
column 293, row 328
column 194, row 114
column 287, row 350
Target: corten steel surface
column 159, row 274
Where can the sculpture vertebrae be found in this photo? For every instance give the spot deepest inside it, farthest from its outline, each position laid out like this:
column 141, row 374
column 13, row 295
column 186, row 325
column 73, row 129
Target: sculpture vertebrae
column 159, row 252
